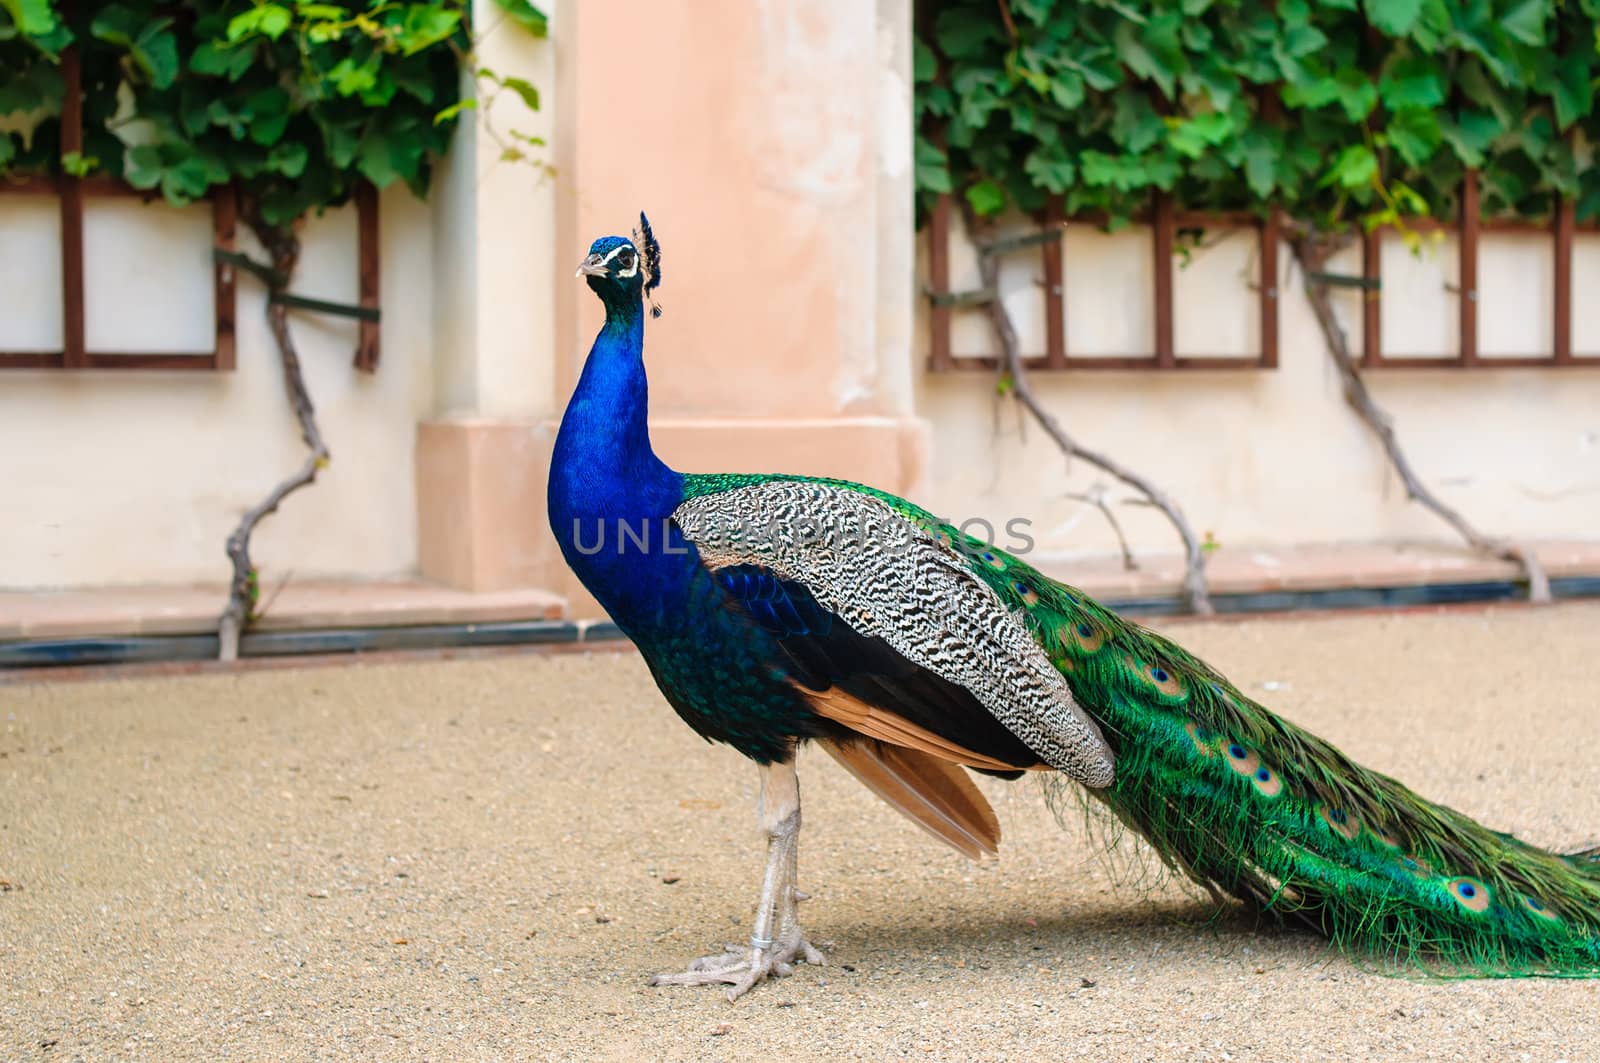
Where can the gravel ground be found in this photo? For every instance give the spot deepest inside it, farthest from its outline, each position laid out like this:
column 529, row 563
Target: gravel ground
column 485, row 858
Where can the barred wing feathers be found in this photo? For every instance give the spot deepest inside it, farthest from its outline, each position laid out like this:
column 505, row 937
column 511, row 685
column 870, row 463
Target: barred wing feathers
column 887, row 578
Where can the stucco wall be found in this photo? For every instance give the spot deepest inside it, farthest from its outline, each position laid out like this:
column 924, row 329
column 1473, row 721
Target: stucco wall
column 770, row 142
column 138, row 476
column 1274, row 457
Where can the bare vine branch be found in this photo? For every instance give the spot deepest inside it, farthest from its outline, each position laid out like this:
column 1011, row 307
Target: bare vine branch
column 1097, row 499
column 1312, row 251
column 283, row 247
column 1195, row 592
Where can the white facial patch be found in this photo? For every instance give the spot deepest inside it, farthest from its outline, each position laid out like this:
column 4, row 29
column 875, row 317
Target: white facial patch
column 631, row 270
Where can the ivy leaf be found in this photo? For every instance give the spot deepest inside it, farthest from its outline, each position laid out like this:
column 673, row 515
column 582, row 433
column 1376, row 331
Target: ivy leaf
column 1135, row 124
column 962, row 33
column 987, row 197
column 141, row 166
column 157, row 55
column 33, row 17
column 268, row 20
column 1471, row 134
column 1135, row 49
column 932, row 168
column 1477, row 86
column 1525, row 22
column 288, row 158
column 924, row 64
column 1352, row 89
column 1050, row 167
column 450, row 113
column 1260, row 163
column 525, row 90
column 409, row 78
column 350, row 78
column 1572, row 93
column 342, row 142
column 1394, row 17
column 1096, row 65
column 1191, row 137
column 1209, row 77
column 526, row 15
column 1415, row 134
column 150, row 43
column 426, row 25
column 36, row 88
column 77, row 164
column 216, row 59
column 1413, row 81
column 1148, row 53
column 1588, row 208
column 268, row 114
column 1066, row 89
column 1357, row 94
column 1354, row 168
column 191, row 177
column 1128, row 172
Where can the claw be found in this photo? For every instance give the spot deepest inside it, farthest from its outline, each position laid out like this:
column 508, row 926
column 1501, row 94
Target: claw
column 744, row 968
column 776, row 944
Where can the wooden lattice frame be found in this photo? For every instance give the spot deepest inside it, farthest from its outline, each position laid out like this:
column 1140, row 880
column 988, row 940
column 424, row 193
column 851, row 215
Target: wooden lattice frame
column 1468, row 226
column 72, row 192
column 1165, row 221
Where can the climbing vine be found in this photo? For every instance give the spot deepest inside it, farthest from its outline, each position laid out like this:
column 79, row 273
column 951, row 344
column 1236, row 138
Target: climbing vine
column 1342, row 115
column 1336, row 113
column 292, row 104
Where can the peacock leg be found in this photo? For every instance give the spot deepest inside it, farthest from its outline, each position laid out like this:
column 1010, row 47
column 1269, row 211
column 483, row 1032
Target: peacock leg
column 777, row 942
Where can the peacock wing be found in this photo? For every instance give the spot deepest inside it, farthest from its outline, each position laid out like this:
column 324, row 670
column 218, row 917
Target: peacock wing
column 895, row 621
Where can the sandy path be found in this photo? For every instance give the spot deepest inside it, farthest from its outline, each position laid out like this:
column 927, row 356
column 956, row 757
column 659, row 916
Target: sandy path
column 461, row 860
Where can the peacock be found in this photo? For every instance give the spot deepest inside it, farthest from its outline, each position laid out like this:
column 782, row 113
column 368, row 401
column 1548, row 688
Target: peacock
column 774, row 610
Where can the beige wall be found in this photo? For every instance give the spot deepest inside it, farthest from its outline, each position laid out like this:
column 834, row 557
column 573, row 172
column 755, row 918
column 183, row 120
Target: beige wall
column 1259, row 457
column 758, row 137
column 138, row 476
column 770, row 143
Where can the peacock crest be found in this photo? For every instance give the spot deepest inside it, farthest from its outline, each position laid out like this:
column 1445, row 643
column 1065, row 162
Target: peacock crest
column 650, row 251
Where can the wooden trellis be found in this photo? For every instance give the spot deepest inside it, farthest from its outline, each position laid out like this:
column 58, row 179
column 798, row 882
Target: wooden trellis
column 1165, row 221
column 71, row 193
column 1469, row 226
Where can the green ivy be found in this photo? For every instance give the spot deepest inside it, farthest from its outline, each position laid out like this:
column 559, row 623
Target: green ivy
column 1338, row 112
column 293, row 101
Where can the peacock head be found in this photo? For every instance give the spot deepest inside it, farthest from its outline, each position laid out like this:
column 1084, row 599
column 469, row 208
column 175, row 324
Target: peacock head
column 620, row 270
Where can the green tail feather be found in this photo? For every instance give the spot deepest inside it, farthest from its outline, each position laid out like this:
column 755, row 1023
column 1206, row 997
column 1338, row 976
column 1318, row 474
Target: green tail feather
column 1249, row 804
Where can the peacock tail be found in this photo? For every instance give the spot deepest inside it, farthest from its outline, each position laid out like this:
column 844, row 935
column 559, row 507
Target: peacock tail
column 1247, row 804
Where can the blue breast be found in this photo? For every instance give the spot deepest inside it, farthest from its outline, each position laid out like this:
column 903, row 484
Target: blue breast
column 610, row 504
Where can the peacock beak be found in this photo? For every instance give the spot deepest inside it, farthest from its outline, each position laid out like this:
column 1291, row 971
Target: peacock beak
column 593, row 266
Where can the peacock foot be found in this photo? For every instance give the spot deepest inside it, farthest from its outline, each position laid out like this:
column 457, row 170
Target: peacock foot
column 777, row 943
column 743, row 968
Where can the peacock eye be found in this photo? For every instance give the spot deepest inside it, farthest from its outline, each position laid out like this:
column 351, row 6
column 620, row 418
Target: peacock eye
column 625, row 260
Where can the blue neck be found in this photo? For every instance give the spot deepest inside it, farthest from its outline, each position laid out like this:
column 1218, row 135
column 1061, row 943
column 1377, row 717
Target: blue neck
column 604, row 467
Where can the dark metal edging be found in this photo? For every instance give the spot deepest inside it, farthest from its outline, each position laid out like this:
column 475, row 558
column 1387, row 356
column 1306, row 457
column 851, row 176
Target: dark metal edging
column 44, row 653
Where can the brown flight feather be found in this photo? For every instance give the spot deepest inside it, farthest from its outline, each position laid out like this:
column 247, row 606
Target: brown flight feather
column 933, row 793
column 885, row 726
